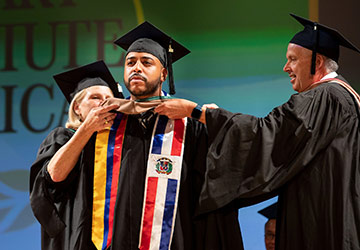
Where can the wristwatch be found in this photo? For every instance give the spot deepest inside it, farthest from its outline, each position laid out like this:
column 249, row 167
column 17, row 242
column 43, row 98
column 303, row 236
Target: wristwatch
column 196, row 113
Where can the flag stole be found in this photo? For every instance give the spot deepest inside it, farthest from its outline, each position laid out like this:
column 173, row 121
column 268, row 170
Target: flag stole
column 162, row 184
column 108, row 148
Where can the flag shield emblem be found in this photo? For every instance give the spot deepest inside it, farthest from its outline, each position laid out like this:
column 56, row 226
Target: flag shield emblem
column 164, row 166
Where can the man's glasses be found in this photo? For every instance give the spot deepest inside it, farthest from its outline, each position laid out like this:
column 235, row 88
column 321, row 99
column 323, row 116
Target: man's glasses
column 269, row 236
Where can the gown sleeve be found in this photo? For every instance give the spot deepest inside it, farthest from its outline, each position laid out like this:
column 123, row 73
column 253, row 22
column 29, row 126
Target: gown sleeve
column 44, row 193
column 250, row 157
column 215, row 230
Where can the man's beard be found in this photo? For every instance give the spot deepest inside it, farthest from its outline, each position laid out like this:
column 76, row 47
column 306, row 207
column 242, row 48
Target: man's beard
column 151, row 87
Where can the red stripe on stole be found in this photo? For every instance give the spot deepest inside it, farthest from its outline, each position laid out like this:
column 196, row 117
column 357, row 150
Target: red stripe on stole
column 119, row 139
column 178, row 137
column 148, row 213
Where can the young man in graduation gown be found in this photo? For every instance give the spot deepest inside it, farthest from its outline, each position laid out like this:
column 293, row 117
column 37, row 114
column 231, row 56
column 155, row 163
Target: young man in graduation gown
column 142, row 178
column 163, row 160
column 307, row 150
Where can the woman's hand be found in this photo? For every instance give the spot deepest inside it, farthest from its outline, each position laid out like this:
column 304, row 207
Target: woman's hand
column 99, row 119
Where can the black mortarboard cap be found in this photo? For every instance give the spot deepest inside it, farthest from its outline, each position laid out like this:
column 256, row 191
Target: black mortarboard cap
column 93, row 74
column 269, row 212
column 320, row 39
column 147, row 38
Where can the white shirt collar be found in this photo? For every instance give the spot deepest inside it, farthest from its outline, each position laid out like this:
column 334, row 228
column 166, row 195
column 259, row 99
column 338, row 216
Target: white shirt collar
column 330, row 75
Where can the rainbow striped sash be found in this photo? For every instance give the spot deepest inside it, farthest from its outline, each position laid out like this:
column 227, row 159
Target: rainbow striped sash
column 108, row 148
column 162, row 184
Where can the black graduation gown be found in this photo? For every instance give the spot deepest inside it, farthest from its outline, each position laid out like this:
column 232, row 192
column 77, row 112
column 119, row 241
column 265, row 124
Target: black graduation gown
column 307, row 152
column 64, row 209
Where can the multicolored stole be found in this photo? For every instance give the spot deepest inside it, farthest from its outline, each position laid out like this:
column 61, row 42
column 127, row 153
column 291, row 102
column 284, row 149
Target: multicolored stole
column 108, row 148
column 162, row 184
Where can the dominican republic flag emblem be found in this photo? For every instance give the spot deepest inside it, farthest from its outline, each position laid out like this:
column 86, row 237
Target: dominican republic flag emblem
column 164, row 166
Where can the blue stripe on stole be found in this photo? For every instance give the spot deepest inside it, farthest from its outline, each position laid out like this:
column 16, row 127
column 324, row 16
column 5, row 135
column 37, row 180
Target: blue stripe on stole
column 168, row 214
column 109, row 170
column 159, row 134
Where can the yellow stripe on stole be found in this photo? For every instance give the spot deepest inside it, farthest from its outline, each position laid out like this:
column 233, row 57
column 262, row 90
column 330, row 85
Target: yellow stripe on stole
column 97, row 230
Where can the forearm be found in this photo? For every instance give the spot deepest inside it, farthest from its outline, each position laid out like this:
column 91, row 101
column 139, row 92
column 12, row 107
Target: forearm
column 189, row 107
column 180, row 108
column 203, row 115
column 67, row 156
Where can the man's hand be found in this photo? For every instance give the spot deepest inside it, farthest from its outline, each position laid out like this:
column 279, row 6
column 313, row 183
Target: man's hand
column 180, row 108
column 176, row 108
column 210, row 106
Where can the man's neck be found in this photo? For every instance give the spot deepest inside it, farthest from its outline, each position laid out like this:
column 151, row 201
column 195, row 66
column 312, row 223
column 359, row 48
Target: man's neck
column 322, row 74
column 319, row 80
column 156, row 95
column 161, row 95
column 330, row 75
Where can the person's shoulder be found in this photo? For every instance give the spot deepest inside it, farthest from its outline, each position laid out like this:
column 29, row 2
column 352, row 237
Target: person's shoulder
column 59, row 135
column 337, row 92
column 325, row 92
column 62, row 131
column 333, row 93
column 329, row 89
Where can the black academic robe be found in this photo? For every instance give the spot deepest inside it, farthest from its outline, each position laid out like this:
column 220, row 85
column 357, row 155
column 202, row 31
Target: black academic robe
column 307, row 152
column 65, row 209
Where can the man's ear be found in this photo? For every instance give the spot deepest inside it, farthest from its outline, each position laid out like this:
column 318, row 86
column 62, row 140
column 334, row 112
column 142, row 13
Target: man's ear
column 320, row 61
column 163, row 75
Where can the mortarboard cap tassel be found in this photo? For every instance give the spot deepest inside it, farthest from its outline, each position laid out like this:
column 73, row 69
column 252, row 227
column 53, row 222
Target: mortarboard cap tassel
column 170, row 69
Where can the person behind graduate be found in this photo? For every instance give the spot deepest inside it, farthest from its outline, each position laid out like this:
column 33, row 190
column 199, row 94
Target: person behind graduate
column 141, row 178
column 58, row 204
column 307, row 150
column 270, row 226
